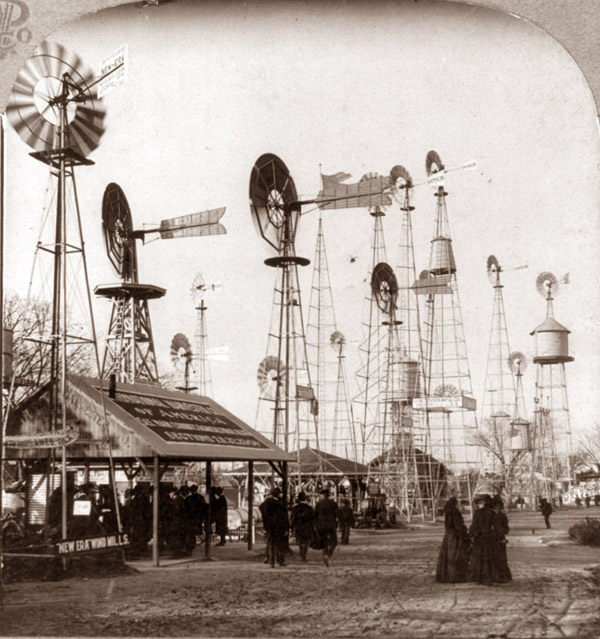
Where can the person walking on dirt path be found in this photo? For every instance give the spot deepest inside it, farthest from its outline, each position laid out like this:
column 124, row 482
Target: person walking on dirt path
column 546, row 508
column 346, row 517
column 482, row 565
column 597, row 500
column 453, row 560
column 326, row 516
column 276, row 524
column 301, row 523
column 501, row 529
column 588, row 500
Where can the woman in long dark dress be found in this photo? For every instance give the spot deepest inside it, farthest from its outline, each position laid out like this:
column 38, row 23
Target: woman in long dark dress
column 501, row 529
column 482, row 566
column 453, row 559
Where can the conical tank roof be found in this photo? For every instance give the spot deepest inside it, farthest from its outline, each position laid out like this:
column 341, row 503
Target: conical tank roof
column 550, row 325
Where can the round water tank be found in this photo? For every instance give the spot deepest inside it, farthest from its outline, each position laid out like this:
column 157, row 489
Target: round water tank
column 442, row 256
column 7, row 354
column 551, row 343
column 408, row 383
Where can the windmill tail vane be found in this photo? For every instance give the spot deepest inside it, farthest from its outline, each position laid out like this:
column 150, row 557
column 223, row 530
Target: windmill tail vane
column 193, row 225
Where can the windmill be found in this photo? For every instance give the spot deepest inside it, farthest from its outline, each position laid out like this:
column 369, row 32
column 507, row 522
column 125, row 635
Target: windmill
column 552, row 426
column 344, row 438
column 499, row 409
column 182, row 356
column 448, row 394
column 203, row 353
column 55, row 109
column 130, row 354
column 283, row 375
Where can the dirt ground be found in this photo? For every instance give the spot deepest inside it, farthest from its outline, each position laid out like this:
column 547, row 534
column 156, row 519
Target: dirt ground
column 381, row 585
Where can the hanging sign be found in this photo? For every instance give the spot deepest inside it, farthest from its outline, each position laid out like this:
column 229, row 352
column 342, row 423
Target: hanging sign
column 113, row 71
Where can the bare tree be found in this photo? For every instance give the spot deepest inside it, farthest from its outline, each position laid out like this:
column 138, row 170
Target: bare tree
column 589, row 448
column 30, row 322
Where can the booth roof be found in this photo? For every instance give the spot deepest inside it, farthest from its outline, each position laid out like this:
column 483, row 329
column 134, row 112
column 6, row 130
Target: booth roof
column 143, row 420
column 313, row 462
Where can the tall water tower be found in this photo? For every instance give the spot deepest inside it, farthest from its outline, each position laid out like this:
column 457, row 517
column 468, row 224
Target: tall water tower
column 552, row 426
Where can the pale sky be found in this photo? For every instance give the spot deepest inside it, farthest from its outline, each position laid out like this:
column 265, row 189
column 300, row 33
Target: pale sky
column 347, row 88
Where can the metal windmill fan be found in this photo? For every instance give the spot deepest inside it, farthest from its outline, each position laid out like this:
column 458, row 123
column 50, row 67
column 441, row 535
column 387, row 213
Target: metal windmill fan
column 400, row 178
column 433, row 163
column 517, row 363
column 493, row 269
column 52, row 77
column 117, row 226
column 271, row 372
column 181, row 350
column 446, row 390
column 337, row 340
column 272, row 193
column 546, row 285
column 385, row 287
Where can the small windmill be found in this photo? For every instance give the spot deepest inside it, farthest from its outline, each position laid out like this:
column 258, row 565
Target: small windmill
column 203, row 354
column 182, row 357
column 130, row 354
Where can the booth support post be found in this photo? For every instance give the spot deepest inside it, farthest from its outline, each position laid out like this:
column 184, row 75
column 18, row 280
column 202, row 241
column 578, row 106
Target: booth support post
column 208, row 523
column 250, row 484
column 155, row 493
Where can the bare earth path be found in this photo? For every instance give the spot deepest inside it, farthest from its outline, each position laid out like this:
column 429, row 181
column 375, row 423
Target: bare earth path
column 381, row 585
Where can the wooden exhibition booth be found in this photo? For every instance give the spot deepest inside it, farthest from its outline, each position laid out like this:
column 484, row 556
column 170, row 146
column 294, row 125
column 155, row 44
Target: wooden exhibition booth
column 136, row 428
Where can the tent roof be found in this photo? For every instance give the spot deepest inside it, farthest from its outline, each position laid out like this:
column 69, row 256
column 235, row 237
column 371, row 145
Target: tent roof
column 145, row 420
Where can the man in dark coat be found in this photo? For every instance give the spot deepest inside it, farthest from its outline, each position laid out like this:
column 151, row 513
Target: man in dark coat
column 195, row 512
column 346, row 517
column 482, row 564
column 453, row 560
column 326, row 516
column 219, row 514
column 546, row 508
column 276, row 524
column 302, row 523
column 501, row 529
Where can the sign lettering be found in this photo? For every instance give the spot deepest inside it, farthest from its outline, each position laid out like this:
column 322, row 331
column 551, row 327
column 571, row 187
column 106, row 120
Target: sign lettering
column 74, row 546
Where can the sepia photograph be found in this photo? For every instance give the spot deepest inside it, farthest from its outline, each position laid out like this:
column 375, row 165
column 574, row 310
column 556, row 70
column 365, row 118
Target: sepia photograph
column 300, row 319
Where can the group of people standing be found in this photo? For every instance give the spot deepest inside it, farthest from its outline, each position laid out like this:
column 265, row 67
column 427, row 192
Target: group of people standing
column 312, row 527
column 479, row 553
column 183, row 514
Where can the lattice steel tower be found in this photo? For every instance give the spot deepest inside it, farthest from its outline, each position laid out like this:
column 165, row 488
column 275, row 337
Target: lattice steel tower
column 448, row 393
column 325, row 345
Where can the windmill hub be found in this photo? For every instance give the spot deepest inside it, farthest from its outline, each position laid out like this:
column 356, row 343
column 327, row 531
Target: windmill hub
column 46, row 103
column 276, row 208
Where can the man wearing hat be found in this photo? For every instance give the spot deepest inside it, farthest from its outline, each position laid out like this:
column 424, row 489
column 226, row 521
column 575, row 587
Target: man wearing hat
column 302, row 523
column 275, row 521
column 326, row 517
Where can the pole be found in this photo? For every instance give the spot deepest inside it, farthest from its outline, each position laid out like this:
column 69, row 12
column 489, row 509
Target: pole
column 208, row 522
column 1, row 334
column 250, row 504
column 155, row 497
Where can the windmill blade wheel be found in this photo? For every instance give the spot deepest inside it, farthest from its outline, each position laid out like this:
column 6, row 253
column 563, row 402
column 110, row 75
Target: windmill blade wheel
column 272, row 191
column 180, row 349
column 270, row 374
column 33, row 109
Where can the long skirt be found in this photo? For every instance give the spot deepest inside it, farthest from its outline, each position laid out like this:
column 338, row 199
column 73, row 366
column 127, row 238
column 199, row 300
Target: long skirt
column 453, row 559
